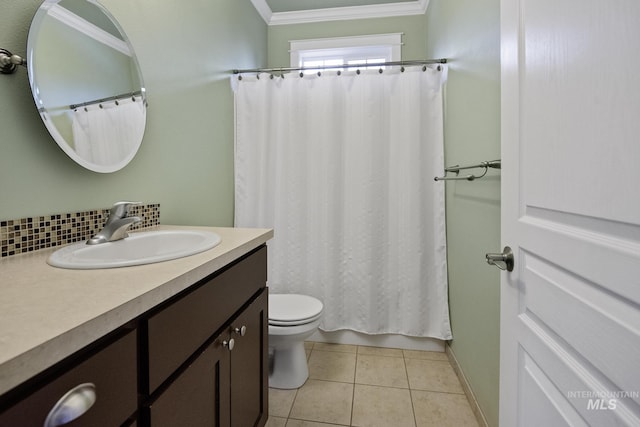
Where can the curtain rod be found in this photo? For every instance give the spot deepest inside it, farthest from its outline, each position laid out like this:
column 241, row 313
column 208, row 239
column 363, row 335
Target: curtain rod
column 110, row 98
column 333, row 67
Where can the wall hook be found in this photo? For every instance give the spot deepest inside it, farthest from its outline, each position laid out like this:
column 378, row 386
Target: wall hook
column 9, row 62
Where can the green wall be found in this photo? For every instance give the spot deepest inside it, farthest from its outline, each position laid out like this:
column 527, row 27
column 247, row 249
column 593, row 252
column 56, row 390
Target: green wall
column 185, row 163
column 413, row 28
column 468, row 32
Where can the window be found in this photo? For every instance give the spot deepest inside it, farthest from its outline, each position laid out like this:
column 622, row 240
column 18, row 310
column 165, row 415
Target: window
column 346, row 50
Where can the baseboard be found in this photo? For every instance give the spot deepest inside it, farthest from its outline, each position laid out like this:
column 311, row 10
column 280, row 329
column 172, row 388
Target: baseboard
column 385, row 340
column 482, row 421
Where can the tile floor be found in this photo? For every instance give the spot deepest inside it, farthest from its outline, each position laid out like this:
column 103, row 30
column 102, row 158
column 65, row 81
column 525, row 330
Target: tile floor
column 352, row 385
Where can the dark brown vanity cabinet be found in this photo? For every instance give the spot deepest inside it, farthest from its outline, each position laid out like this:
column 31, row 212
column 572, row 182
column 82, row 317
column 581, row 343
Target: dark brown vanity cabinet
column 226, row 384
column 207, row 352
column 198, row 359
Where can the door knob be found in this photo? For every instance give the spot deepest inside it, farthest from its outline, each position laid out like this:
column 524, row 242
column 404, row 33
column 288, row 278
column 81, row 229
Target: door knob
column 504, row 260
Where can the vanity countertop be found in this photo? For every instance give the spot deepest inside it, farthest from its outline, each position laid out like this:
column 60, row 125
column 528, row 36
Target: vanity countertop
column 48, row 313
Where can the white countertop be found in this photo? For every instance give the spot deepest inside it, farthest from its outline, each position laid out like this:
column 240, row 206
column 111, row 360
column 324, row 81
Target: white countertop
column 48, row 313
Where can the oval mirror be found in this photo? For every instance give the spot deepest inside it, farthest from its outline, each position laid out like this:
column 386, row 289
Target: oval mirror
column 86, row 83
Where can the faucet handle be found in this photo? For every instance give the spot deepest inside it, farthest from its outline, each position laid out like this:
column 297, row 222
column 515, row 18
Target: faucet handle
column 121, row 209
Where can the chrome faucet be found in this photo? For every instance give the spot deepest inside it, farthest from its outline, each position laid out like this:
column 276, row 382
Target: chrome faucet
column 117, row 224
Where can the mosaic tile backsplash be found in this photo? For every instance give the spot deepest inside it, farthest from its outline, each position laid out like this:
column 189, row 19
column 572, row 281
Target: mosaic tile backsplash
column 23, row 235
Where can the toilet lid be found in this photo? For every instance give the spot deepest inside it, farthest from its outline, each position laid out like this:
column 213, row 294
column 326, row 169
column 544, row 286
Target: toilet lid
column 293, row 309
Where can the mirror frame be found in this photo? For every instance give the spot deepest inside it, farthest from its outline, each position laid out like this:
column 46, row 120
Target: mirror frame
column 34, row 32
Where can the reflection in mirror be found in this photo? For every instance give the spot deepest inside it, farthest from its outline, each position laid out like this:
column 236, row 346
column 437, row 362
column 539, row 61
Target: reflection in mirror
column 86, row 83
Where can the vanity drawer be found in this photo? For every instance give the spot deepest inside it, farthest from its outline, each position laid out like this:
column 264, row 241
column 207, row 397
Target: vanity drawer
column 177, row 331
column 113, row 372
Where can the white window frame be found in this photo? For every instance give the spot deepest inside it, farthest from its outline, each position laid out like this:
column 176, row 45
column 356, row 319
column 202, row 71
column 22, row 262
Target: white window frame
column 388, row 46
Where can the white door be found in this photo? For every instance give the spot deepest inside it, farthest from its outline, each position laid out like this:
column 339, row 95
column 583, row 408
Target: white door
column 570, row 309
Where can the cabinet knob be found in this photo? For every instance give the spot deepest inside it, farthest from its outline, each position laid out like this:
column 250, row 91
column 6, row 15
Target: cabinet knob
column 229, row 344
column 241, row 330
column 72, row 405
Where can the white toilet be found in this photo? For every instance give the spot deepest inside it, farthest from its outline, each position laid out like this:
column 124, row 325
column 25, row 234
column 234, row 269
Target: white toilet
column 292, row 319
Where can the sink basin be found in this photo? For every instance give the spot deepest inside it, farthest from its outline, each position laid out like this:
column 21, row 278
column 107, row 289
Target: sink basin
column 145, row 247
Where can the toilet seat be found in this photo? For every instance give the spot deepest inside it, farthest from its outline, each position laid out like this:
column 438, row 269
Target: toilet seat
column 293, row 309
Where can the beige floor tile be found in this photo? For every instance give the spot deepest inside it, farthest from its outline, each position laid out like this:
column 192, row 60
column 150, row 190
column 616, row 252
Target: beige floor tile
column 428, row 355
column 442, row 410
column 332, row 366
column 276, row 422
column 302, row 423
column 323, row 401
column 380, row 396
column 432, row 375
column 382, row 371
column 280, row 402
column 379, row 351
column 382, row 406
column 342, row 348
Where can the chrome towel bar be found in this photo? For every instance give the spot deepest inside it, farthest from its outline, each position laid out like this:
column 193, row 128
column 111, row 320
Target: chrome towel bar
column 493, row 164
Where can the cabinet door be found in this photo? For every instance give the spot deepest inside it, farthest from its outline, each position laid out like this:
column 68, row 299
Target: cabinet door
column 249, row 365
column 177, row 331
column 200, row 395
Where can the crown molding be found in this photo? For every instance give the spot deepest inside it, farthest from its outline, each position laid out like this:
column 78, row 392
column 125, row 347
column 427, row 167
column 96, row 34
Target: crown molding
column 414, row 7
column 80, row 24
column 263, row 10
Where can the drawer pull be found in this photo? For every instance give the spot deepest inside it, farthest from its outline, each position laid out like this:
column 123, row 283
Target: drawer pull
column 229, row 344
column 241, row 330
column 72, row 405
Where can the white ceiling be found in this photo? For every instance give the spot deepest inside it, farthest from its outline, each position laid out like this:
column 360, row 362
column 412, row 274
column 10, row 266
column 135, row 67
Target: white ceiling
column 281, row 12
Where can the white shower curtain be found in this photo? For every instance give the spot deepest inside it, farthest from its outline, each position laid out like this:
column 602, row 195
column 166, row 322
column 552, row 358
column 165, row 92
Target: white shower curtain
column 108, row 135
column 342, row 168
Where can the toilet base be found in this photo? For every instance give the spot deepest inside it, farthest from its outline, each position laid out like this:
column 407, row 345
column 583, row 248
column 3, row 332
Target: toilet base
column 288, row 366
